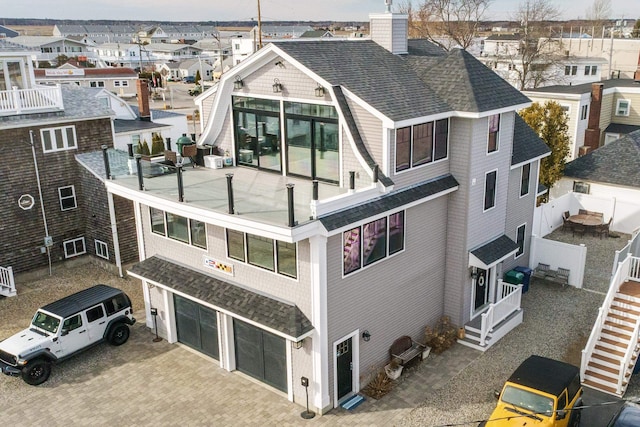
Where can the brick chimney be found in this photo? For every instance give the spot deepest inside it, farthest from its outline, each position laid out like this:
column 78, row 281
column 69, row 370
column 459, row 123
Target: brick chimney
column 592, row 134
column 143, row 100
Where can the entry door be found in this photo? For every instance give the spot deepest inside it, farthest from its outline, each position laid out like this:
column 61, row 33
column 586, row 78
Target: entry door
column 197, row 326
column 344, row 364
column 481, row 290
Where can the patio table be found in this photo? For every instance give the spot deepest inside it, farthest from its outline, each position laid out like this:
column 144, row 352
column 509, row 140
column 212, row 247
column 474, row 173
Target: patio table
column 586, row 219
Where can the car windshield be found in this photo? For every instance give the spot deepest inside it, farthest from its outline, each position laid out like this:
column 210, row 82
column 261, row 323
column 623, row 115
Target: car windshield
column 45, row 321
column 524, row 399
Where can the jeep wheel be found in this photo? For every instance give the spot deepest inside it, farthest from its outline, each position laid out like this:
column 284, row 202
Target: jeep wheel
column 575, row 419
column 119, row 334
column 36, row 372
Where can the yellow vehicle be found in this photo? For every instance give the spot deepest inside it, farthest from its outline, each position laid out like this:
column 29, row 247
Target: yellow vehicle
column 542, row 392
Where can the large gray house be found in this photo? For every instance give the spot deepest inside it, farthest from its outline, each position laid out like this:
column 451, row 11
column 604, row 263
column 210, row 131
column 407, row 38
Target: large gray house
column 375, row 186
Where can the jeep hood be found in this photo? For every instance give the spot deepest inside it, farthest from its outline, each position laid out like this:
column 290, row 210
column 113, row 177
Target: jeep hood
column 508, row 418
column 25, row 342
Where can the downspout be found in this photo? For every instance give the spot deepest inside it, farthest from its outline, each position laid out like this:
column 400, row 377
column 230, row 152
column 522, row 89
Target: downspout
column 114, row 232
column 44, row 216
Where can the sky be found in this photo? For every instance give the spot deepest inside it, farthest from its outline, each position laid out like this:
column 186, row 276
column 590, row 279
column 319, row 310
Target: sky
column 271, row 10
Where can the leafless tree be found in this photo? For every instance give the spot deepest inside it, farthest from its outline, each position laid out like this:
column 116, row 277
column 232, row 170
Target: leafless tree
column 538, row 51
column 599, row 11
column 439, row 20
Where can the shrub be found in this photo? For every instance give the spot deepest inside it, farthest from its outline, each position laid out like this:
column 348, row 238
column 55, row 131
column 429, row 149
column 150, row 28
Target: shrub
column 442, row 336
column 144, row 148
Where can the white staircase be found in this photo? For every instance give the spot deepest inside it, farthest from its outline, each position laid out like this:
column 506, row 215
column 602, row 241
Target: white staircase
column 611, row 353
column 7, row 282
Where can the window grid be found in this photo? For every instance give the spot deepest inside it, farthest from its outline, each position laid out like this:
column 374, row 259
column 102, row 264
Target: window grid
column 102, row 249
column 622, row 107
column 58, row 139
column 262, row 252
column 67, row 196
column 74, row 247
column 175, row 227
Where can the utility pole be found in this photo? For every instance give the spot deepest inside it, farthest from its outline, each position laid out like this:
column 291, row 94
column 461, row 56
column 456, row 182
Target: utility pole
column 259, row 28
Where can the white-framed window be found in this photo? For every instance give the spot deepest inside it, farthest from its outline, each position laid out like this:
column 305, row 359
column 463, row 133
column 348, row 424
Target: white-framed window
column 58, row 139
column 490, row 185
column 120, row 83
column 583, row 112
column 96, row 83
column 622, row 107
column 581, row 187
column 262, row 252
column 74, row 247
column 176, row 227
column 494, row 130
column 610, row 137
column 102, row 249
column 525, row 178
column 67, row 196
column 520, row 236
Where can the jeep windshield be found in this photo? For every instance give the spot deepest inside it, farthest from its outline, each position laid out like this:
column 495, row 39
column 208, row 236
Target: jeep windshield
column 45, row 322
column 536, row 403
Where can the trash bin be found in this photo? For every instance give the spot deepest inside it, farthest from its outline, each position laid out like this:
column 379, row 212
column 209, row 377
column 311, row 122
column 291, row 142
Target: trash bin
column 527, row 277
column 513, row 277
column 182, row 141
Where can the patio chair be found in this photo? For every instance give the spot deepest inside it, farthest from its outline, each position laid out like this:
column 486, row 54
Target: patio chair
column 603, row 229
column 566, row 224
column 190, row 151
column 578, row 229
column 582, row 212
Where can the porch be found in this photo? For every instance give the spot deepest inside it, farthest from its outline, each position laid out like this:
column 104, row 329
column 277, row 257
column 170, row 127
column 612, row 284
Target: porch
column 34, row 100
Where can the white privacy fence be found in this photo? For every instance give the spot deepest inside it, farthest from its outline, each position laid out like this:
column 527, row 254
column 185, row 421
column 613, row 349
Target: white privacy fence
column 560, row 255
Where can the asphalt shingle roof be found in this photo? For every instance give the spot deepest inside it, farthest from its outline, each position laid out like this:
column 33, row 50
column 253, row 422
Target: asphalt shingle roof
column 121, row 126
column 527, row 145
column 388, row 202
column 495, row 250
column 620, row 128
column 615, row 163
column 585, row 87
column 277, row 315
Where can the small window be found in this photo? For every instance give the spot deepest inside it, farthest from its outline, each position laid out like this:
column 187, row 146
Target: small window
column 567, row 70
column 490, row 190
column 157, row 221
column 235, row 245
column 177, row 227
column 102, row 249
column 286, row 255
column 494, row 128
column 260, row 252
column 622, row 107
column 581, row 187
column 525, row 179
column 58, row 139
column 594, row 70
column 67, row 197
column 72, row 323
column 583, row 112
column 74, row 247
column 198, row 232
column 95, row 313
column 520, row 239
column 587, row 70
column 574, row 70
column 116, row 83
column 403, row 148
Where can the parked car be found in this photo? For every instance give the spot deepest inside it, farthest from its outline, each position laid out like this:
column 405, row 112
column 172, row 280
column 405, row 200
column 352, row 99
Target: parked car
column 540, row 392
column 627, row 416
column 189, row 79
column 64, row 328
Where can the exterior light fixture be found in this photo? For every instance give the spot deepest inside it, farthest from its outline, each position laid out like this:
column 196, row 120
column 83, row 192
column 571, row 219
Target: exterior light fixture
column 238, row 84
column 366, row 336
column 297, row 344
column 277, row 86
column 474, row 273
column 319, row 91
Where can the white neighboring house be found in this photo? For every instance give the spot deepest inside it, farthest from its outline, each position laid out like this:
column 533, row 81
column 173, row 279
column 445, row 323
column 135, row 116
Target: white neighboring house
column 120, row 81
column 51, row 47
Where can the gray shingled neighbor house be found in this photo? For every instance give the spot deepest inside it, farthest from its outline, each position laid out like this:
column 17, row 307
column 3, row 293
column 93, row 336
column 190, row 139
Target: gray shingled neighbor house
column 374, row 187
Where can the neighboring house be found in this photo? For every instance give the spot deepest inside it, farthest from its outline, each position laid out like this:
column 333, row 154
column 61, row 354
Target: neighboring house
column 242, row 48
column 126, row 33
column 610, row 173
column 598, row 113
column 316, row 34
column 133, row 55
column 6, row 32
column 502, row 45
column 377, row 186
column 51, row 47
column 121, row 81
column 281, row 31
column 50, row 213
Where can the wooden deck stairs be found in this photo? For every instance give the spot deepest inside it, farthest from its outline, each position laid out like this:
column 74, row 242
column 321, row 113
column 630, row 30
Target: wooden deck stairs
column 606, row 369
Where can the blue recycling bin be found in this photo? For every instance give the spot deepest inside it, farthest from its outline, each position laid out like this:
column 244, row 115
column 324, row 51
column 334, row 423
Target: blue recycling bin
column 527, row 277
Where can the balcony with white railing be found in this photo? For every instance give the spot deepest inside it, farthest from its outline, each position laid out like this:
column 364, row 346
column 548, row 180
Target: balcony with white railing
column 33, row 100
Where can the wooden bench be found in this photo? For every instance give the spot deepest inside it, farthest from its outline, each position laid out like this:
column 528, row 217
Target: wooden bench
column 405, row 349
column 544, row 271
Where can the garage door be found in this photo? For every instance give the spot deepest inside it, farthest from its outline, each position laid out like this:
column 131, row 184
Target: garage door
column 261, row 354
column 197, row 326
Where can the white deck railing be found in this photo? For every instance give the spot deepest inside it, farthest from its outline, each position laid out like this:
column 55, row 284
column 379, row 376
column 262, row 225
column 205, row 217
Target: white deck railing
column 7, row 282
column 21, row 101
column 628, row 269
column 510, row 297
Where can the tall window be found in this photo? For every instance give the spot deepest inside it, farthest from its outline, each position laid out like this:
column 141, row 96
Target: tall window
column 58, row 139
column 587, row 70
column 520, row 239
column 490, row 190
column 235, row 245
column 421, row 144
column 525, row 179
column 494, row 128
column 373, row 241
column 583, row 112
column 67, row 197
column 622, row 107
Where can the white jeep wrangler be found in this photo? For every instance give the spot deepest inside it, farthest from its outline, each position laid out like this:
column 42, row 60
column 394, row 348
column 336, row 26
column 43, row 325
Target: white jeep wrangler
column 64, row 328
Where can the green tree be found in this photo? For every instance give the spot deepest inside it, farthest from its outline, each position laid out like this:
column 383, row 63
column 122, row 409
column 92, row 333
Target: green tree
column 144, row 148
column 549, row 121
column 157, row 145
column 197, row 78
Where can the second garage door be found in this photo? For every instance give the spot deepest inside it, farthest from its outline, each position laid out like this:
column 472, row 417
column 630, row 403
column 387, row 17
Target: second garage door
column 197, row 326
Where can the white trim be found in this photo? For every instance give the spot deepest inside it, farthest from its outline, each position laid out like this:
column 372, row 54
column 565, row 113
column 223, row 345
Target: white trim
column 484, row 193
column 65, row 142
column 102, row 249
column 355, row 360
column 625, row 113
column 528, row 184
column 497, row 150
column 63, row 198
column 73, row 242
column 320, row 354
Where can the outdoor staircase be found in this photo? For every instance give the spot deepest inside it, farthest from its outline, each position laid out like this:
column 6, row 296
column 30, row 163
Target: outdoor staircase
column 610, row 355
column 473, row 330
column 7, row 282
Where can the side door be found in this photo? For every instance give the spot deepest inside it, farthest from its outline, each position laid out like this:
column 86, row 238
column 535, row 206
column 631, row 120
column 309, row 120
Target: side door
column 74, row 335
column 96, row 322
